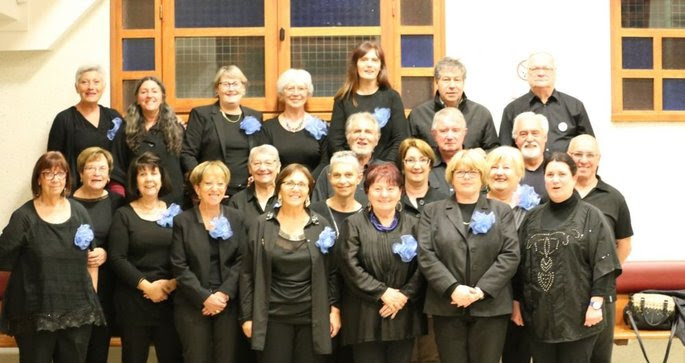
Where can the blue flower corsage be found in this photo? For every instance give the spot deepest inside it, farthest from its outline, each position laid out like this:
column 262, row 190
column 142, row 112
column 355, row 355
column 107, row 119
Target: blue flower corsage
column 406, row 249
column 222, row 228
column 250, row 125
column 167, row 218
column 528, row 198
column 84, row 236
column 315, row 127
column 326, row 240
column 382, row 115
column 481, row 222
column 116, row 124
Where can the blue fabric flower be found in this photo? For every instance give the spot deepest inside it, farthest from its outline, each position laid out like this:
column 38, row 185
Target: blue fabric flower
column 528, row 198
column 326, row 240
column 116, row 124
column 250, row 125
column 406, row 249
column 481, row 222
column 382, row 115
column 84, row 236
column 167, row 218
column 315, row 127
column 222, row 228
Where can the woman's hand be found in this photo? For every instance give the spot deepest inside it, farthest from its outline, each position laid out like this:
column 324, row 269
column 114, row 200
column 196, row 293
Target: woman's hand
column 336, row 322
column 215, row 304
column 169, row 285
column 464, row 295
column 97, row 257
column 394, row 299
column 593, row 316
column 516, row 316
column 153, row 290
column 247, row 328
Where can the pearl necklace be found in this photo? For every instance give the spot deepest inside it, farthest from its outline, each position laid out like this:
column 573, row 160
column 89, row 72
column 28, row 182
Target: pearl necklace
column 229, row 119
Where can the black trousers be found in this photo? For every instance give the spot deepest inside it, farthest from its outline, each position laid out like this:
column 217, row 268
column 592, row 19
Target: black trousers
column 289, row 343
column 64, row 345
column 516, row 345
column 605, row 340
column 466, row 339
column 208, row 338
column 135, row 343
column 578, row 351
column 396, row 351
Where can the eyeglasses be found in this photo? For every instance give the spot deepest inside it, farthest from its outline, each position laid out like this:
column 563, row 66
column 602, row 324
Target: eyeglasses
column 421, row 161
column 53, row 175
column 579, row 155
column 92, row 169
column 461, row 174
column 267, row 163
column 293, row 185
column 229, row 85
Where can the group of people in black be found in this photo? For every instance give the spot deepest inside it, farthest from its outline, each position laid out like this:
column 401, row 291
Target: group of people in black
column 375, row 238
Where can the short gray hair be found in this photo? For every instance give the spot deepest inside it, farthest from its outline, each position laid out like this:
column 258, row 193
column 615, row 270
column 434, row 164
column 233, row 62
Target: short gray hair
column 263, row 149
column 358, row 117
column 90, row 68
column 448, row 63
column 295, row 76
column 448, row 113
column 345, row 156
column 529, row 115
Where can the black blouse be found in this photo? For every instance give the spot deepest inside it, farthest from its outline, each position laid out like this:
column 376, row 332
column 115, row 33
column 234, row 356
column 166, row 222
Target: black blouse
column 71, row 133
column 296, row 147
column 49, row 288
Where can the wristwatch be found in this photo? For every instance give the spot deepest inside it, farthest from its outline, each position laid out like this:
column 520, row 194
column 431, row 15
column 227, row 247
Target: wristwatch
column 597, row 305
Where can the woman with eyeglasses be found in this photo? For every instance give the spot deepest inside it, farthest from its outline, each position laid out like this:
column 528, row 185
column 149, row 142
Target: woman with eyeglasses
column 263, row 165
column 468, row 254
column 415, row 159
column 94, row 166
column 50, row 304
column 299, row 136
column 383, row 285
column 367, row 89
column 87, row 123
column 288, row 284
column 568, row 265
column 224, row 130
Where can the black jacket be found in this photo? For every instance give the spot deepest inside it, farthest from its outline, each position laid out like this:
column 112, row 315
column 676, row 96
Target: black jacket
column 450, row 254
column 255, row 280
column 190, row 261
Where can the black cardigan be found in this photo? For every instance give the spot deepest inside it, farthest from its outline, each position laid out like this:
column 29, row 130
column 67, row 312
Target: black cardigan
column 255, row 280
column 190, row 250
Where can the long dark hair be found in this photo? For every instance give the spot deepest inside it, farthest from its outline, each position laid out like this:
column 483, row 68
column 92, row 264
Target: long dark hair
column 349, row 88
column 166, row 119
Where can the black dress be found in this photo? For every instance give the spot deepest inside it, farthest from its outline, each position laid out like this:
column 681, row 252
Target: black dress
column 49, row 288
column 296, row 147
column 153, row 141
column 71, row 133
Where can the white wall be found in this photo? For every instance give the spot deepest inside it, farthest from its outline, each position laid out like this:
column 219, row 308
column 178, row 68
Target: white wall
column 637, row 158
column 491, row 37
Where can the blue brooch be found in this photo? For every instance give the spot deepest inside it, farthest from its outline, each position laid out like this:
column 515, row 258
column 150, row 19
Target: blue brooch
column 528, row 198
column 84, row 236
column 167, row 218
column 326, row 240
column 250, row 125
column 406, row 249
column 481, row 222
column 315, row 127
column 382, row 115
column 222, row 228
column 116, row 124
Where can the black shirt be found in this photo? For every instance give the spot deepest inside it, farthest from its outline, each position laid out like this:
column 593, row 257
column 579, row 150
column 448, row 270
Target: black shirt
column 566, row 115
column 335, row 217
column 481, row 129
column 291, row 295
column 611, row 202
column 296, row 147
column 536, row 179
column 246, row 201
column 432, row 195
column 71, row 133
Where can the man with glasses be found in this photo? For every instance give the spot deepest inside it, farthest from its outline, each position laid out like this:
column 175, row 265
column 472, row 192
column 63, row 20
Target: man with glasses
column 566, row 115
column 585, row 152
column 449, row 131
column 450, row 75
column 530, row 137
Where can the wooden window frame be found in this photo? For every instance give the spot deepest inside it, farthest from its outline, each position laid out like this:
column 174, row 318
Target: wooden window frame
column 390, row 30
column 656, row 73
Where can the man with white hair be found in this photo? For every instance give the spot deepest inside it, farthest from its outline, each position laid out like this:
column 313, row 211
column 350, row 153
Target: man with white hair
column 448, row 131
column 566, row 115
column 530, row 135
column 592, row 189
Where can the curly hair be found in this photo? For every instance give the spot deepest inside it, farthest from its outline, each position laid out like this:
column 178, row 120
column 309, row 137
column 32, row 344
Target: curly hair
column 167, row 122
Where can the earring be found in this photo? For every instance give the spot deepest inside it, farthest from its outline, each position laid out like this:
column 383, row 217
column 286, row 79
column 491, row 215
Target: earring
column 398, row 207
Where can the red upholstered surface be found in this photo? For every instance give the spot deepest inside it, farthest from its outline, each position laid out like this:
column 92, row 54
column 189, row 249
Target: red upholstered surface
column 657, row 275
